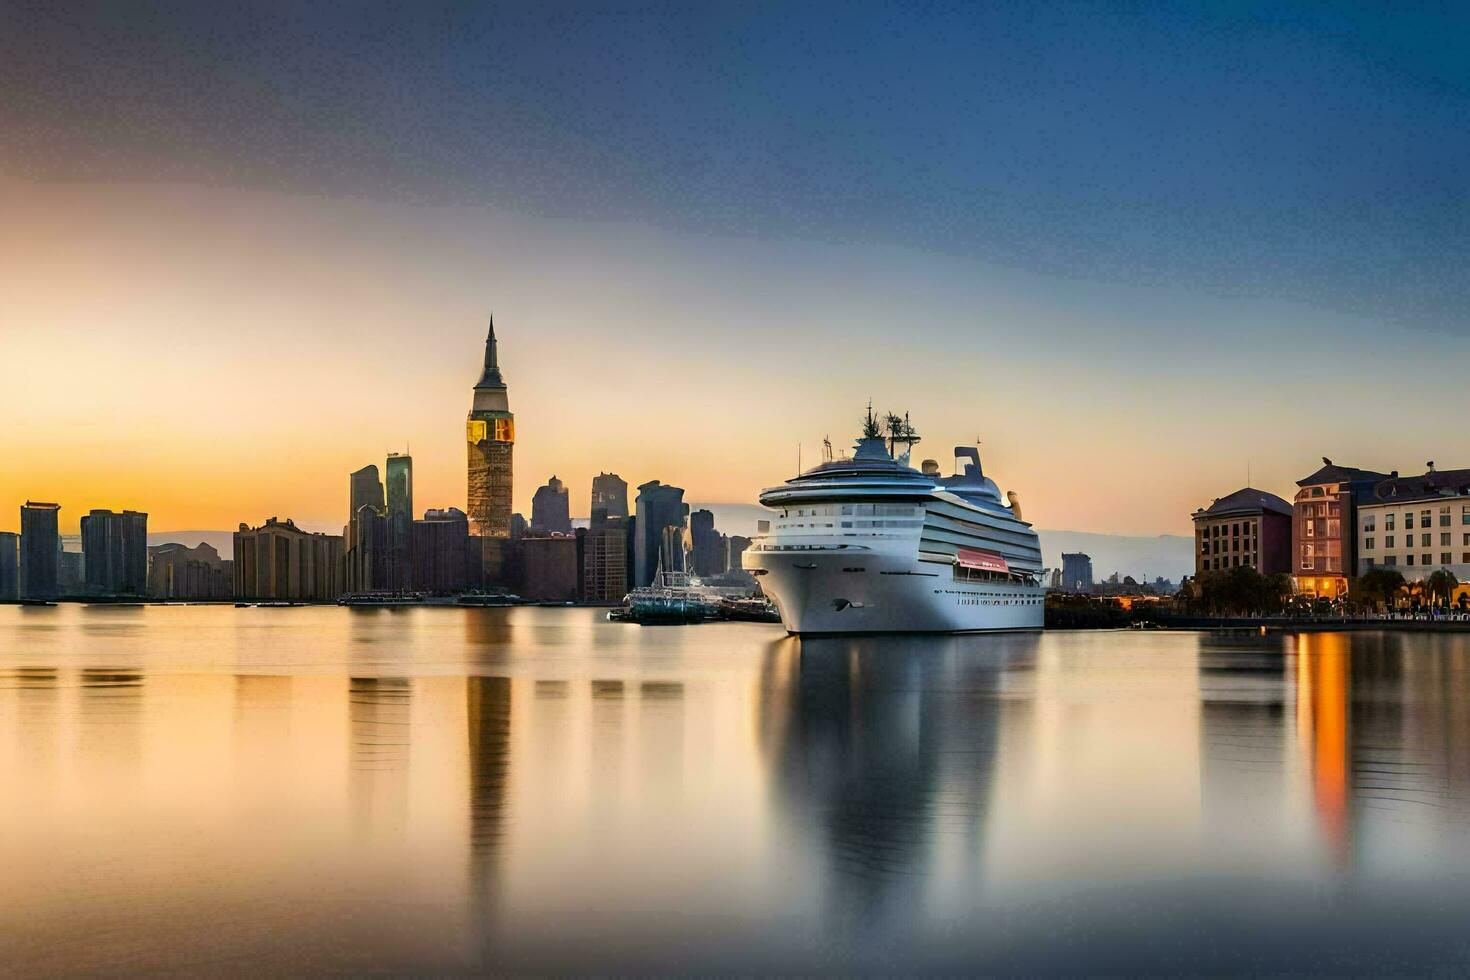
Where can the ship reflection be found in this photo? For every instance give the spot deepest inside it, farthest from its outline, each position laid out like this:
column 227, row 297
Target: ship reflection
column 884, row 749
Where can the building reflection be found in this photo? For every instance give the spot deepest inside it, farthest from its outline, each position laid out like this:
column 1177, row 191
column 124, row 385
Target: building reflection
column 378, row 716
column 488, row 721
column 885, row 747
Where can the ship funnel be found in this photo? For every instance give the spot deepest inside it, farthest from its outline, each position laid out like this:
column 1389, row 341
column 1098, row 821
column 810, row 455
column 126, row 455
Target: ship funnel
column 971, row 467
column 929, row 467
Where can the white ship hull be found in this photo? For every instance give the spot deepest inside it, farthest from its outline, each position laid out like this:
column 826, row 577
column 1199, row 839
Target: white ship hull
column 815, row 594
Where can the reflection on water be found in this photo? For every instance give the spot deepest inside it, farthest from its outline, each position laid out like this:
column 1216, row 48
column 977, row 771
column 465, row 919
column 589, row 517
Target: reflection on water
column 448, row 790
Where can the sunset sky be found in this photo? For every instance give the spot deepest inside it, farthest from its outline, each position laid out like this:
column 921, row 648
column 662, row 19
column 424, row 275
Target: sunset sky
column 246, row 251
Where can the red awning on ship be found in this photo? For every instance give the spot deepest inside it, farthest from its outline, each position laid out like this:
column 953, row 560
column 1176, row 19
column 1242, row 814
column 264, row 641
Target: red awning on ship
column 987, row 561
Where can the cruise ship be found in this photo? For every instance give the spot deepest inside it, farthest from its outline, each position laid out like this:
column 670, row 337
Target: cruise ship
column 869, row 544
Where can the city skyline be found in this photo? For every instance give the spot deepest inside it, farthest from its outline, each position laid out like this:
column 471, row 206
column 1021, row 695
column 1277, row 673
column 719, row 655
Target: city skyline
column 216, row 304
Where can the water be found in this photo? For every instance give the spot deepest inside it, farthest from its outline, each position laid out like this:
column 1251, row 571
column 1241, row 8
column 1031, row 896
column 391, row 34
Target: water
column 322, row 789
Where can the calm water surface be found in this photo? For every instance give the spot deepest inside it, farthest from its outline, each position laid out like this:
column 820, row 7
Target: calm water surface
column 322, row 789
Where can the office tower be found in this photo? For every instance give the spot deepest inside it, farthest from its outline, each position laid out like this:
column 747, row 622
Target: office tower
column 1249, row 527
column 280, row 561
column 365, row 561
column 550, row 568
column 605, row 561
column 115, row 552
column 673, row 553
column 40, row 550
column 550, row 511
column 441, row 552
column 709, row 553
column 658, row 506
column 400, row 522
column 609, row 498
column 364, row 490
column 490, row 440
column 9, row 566
column 1077, row 572
column 176, row 571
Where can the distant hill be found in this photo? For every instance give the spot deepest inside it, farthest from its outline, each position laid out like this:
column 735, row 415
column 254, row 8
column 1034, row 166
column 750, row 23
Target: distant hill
column 1169, row 555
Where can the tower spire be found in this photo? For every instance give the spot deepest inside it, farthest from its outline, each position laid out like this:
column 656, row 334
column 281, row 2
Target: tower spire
column 491, row 377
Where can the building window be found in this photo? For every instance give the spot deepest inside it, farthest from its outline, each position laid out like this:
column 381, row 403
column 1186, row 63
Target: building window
column 1444, row 539
column 1309, row 555
column 1369, row 524
column 1424, row 520
column 1388, row 540
column 1390, row 561
column 1446, row 558
column 1408, row 559
column 1388, row 522
column 1427, row 559
column 1368, row 545
column 1310, row 530
column 1424, row 540
column 1465, row 515
column 1334, row 527
column 1235, row 530
column 1444, row 517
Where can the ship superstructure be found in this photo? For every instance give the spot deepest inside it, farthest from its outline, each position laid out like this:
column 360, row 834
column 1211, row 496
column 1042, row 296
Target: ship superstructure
column 869, row 544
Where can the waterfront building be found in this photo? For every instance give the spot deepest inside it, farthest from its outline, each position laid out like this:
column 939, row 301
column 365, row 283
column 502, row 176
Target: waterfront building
column 9, row 566
column 399, row 569
column 605, row 561
column 115, row 552
column 280, row 561
column 550, row 510
column 550, row 568
column 1248, row 528
column 490, row 442
column 1077, row 572
column 1416, row 524
column 365, row 558
column 659, row 506
column 176, row 571
column 609, row 498
column 705, row 543
column 1324, row 514
column 364, row 490
column 40, row 550
column 441, row 552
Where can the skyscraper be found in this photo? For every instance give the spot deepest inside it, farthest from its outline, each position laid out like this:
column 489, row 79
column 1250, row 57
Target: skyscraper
column 440, row 552
column 709, row 551
column 550, row 510
column 9, row 566
column 400, row 522
column 40, row 550
column 364, row 489
column 1077, row 572
column 609, row 498
column 490, row 439
column 115, row 552
column 659, row 506
column 605, row 561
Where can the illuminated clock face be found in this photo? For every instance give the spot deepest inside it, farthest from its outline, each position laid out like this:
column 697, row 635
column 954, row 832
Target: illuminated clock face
column 475, row 430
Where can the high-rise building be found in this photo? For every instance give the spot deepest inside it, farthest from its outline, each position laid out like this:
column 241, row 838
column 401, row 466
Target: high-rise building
column 365, row 558
column 490, row 437
column 735, row 547
column 551, row 572
column 40, row 550
column 605, row 561
column 1324, row 516
column 609, row 498
column 550, row 510
column 1250, row 528
column 708, row 548
column 441, row 552
column 176, row 571
column 278, row 560
column 9, row 566
column 659, row 506
column 400, row 522
column 1077, row 572
column 364, row 490
column 115, row 552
